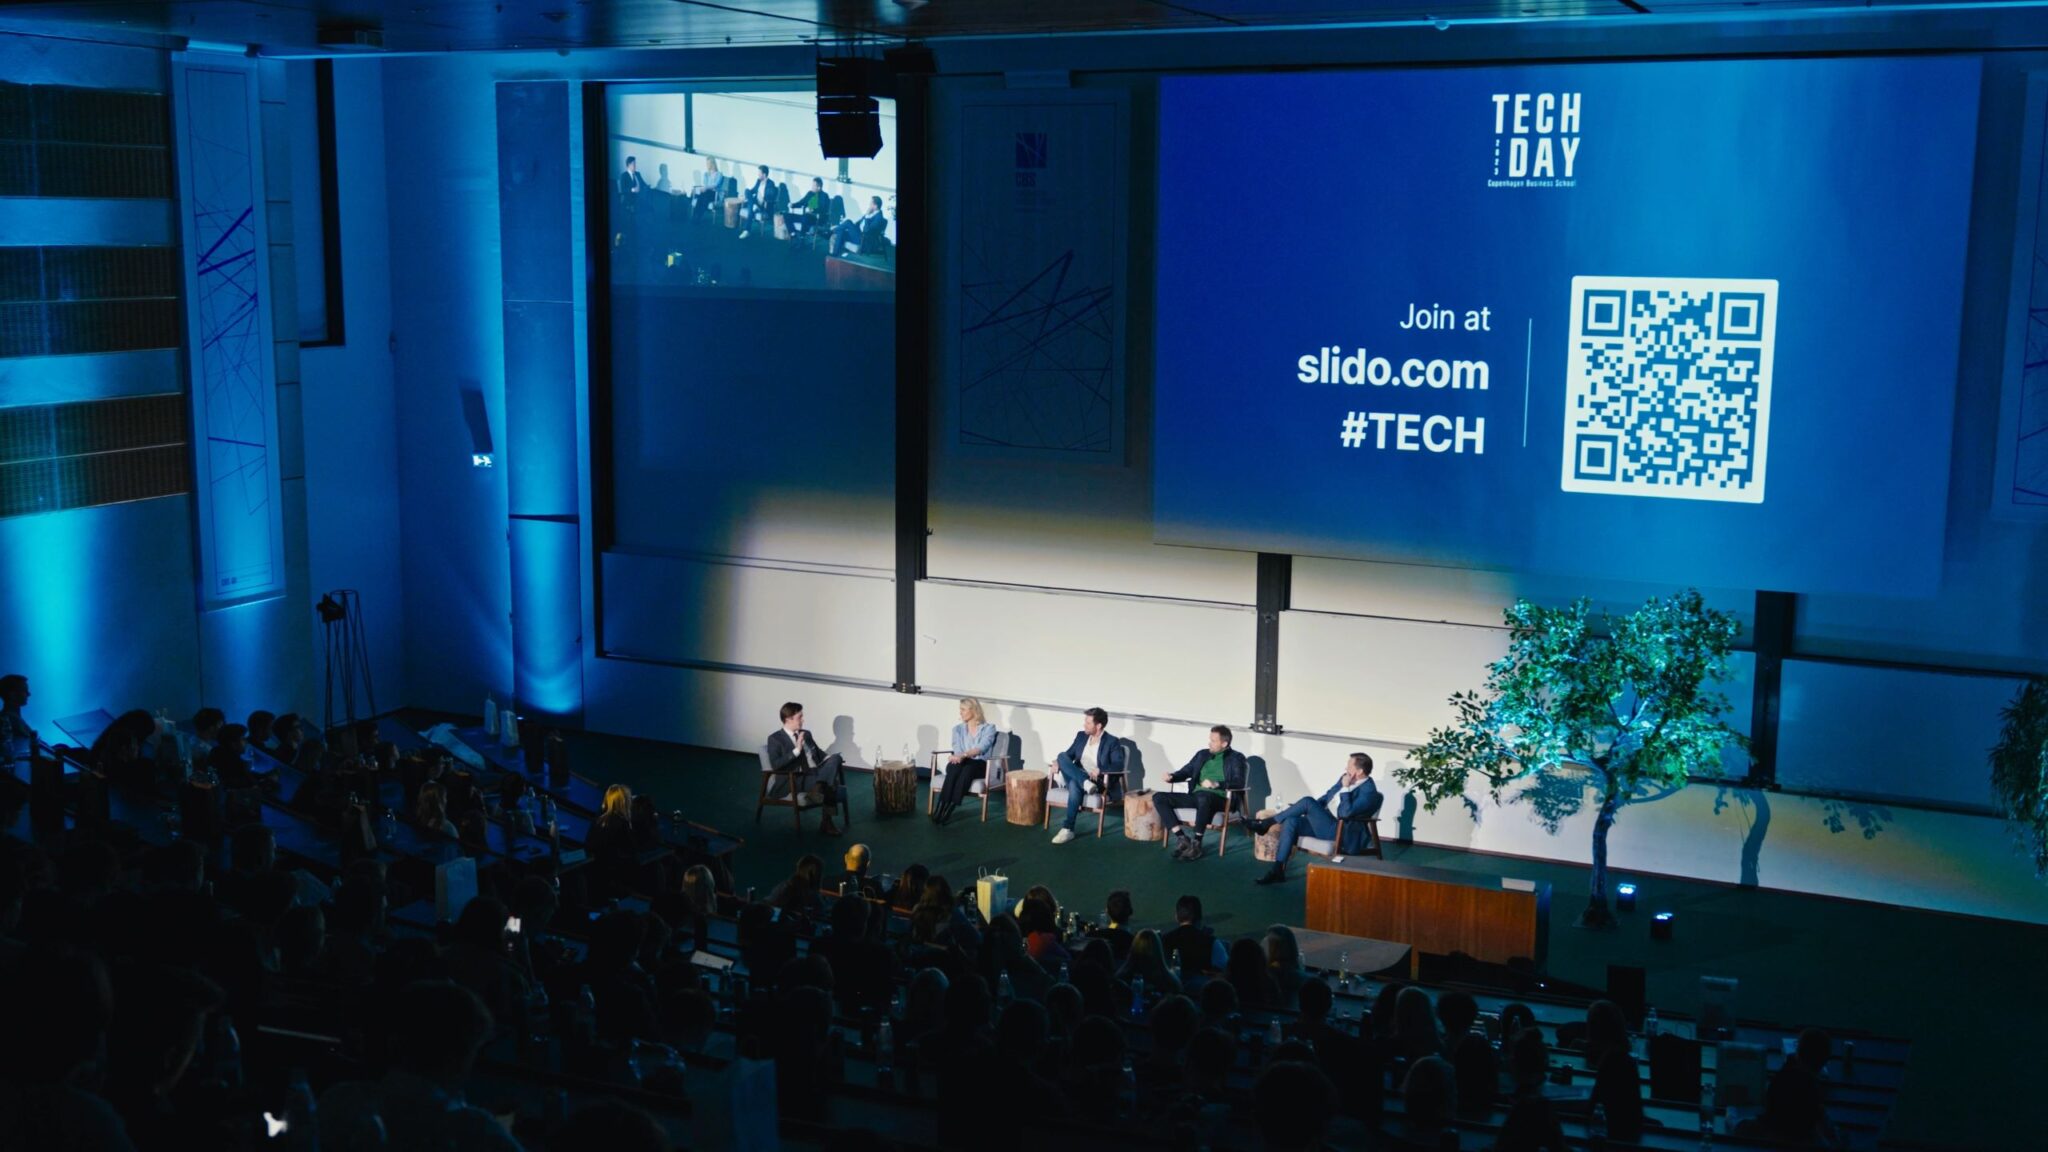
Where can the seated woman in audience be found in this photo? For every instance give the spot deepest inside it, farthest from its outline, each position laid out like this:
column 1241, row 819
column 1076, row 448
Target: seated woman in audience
column 431, row 813
column 1383, row 1010
column 923, row 1005
column 1245, row 971
column 798, row 895
column 1415, row 1031
column 117, row 751
column 286, row 736
column 1429, row 1097
column 974, row 740
column 1793, row 1106
column 611, row 842
column 476, row 959
column 646, row 823
column 909, row 889
column 689, row 905
column 1606, row 1031
column 1478, row 1072
column 1283, row 963
column 1003, row 952
column 1039, row 921
column 1528, row 1060
column 1147, row 961
column 1514, row 1017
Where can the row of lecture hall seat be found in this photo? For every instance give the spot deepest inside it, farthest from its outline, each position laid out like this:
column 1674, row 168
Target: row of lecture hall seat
column 647, row 1005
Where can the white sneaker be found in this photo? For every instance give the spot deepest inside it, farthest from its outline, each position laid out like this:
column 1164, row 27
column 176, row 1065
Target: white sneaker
column 743, row 234
column 1063, row 836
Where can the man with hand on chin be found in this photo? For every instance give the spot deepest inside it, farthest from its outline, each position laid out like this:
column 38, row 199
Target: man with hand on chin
column 792, row 743
column 1354, row 799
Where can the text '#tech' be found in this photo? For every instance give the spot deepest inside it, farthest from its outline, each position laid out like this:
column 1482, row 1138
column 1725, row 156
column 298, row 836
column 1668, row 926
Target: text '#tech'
column 1535, row 139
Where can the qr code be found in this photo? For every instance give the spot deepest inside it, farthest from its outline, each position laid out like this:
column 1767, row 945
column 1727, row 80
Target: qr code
column 1668, row 392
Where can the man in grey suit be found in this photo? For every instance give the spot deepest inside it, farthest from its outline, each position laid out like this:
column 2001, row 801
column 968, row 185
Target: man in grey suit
column 791, row 743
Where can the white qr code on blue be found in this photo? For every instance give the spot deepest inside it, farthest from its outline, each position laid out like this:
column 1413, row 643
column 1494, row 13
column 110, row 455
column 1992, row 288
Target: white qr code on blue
column 1668, row 389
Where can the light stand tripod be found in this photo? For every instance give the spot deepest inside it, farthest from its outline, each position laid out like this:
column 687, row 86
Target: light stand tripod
column 348, row 656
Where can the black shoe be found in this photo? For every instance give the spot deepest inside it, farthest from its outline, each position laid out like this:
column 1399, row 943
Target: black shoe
column 1273, row 875
column 1260, row 826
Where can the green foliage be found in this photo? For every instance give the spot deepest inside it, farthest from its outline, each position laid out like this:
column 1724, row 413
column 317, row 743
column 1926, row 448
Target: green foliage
column 2019, row 769
column 1628, row 706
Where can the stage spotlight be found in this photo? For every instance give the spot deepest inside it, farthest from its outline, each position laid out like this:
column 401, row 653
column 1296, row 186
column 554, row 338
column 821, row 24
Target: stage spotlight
column 1660, row 926
column 480, row 460
column 1624, row 897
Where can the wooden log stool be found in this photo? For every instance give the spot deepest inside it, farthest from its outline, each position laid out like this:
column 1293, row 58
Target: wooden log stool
column 1266, row 846
column 895, row 788
column 1024, row 797
column 1141, row 820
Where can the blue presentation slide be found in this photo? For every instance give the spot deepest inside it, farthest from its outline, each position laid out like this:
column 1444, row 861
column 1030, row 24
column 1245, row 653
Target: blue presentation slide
column 1683, row 322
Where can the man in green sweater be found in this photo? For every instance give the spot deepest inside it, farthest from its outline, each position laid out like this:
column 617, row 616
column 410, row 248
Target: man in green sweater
column 1213, row 775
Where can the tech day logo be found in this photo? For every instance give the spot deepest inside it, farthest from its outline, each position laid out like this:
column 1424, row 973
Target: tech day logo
column 1536, row 139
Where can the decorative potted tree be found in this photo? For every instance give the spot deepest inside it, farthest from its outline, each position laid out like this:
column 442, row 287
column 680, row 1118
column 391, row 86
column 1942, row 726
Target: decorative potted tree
column 2019, row 770
column 1628, row 709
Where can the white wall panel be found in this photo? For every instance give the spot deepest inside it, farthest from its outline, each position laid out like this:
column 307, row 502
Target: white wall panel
column 1383, row 680
column 1469, row 595
column 1889, row 731
column 824, row 624
column 1150, row 657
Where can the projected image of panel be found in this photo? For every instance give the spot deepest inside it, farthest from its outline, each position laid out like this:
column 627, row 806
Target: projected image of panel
column 1676, row 322
column 730, row 190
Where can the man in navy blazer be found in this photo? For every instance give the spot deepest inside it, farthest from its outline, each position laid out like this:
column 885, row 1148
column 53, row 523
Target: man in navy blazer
column 1092, row 763
column 1354, row 798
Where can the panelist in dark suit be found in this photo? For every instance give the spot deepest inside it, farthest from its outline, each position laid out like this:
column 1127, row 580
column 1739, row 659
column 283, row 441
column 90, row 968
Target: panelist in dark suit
column 630, row 181
column 1212, row 775
column 1093, row 753
column 757, row 207
column 792, row 743
column 865, row 234
column 1353, row 799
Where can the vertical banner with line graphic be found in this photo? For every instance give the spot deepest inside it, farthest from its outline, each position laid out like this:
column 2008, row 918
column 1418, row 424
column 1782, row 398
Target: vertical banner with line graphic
column 1038, row 308
column 224, row 227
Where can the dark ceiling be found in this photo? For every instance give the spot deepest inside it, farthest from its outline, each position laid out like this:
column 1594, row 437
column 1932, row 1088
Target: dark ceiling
column 286, row 27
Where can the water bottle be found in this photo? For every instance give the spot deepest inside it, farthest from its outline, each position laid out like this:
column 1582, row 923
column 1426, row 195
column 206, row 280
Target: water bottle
column 1596, row 1127
column 896, row 1002
column 885, row 1052
column 1650, row 1024
column 1274, row 1036
column 1005, row 991
column 1066, row 976
column 1848, row 1059
column 1137, row 996
column 1344, row 973
column 585, row 1017
column 490, row 712
column 227, row 1053
column 1127, row 1087
column 1706, row 1119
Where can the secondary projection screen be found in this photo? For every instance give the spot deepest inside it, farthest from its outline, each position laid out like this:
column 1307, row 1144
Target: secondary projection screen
column 752, row 328
column 1674, row 322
